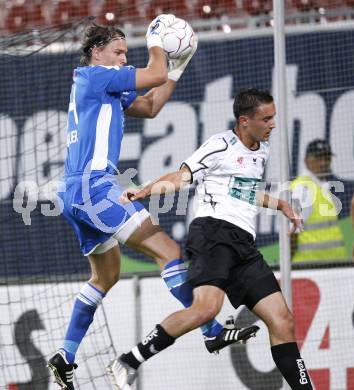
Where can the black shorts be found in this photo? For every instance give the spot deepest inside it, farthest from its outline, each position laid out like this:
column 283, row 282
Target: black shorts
column 224, row 255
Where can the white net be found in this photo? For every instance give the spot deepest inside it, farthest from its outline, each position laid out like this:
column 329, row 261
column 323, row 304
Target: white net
column 235, row 51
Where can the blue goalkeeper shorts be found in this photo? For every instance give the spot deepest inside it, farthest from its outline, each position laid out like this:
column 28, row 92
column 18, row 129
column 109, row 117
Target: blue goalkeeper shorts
column 93, row 210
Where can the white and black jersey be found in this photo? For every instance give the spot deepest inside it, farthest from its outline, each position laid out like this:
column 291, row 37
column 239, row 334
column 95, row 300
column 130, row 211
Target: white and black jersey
column 228, row 175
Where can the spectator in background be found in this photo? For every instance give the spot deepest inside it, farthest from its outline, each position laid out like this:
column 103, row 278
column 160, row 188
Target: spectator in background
column 322, row 238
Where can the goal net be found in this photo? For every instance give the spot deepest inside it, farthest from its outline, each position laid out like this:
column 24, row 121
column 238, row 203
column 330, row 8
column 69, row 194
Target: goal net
column 41, row 267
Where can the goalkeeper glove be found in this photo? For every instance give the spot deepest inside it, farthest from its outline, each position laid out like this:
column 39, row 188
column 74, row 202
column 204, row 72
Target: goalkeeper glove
column 157, row 29
column 176, row 67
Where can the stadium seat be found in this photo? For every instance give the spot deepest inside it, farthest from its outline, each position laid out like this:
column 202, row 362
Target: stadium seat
column 257, row 7
column 121, row 11
column 305, row 5
column 35, row 13
column 84, row 8
column 329, row 4
column 206, row 9
column 328, row 9
column 67, row 10
column 16, row 19
column 25, row 15
column 176, row 7
column 3, row 12
column 228, row 5
column 226, row 8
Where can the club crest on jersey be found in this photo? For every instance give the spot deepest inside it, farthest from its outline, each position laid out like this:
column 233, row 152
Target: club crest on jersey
column 240, row 162
column 254, row 160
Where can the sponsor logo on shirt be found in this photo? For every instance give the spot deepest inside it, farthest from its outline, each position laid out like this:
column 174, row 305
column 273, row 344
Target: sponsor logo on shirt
column 240, row 162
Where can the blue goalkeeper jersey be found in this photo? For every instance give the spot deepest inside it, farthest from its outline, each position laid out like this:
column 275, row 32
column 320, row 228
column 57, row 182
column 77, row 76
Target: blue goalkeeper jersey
column 99, row 96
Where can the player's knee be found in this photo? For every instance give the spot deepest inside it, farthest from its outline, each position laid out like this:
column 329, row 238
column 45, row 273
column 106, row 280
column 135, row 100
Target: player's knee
column 205, row 311
column 106, row 281
column 283, row 325
column 172, row 252
column 212, row 312
column 112, row 278
column 200, row 317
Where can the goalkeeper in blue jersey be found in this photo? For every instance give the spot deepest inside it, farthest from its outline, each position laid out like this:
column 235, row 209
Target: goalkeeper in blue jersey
column 103, row 91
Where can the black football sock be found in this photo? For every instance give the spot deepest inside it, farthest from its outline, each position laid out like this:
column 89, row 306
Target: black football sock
column 289, row 362
column 156, row 341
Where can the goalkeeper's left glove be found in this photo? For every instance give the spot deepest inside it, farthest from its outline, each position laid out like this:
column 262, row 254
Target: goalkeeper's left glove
column 157, row 29
column 177, row 67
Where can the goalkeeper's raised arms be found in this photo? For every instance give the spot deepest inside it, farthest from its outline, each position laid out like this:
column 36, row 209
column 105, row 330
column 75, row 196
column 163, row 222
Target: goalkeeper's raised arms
column 178, row 66
column 154, row 37
column 155, row 73
column 157, row 29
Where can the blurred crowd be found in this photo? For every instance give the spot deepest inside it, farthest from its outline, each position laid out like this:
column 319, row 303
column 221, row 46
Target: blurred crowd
column 22, row 15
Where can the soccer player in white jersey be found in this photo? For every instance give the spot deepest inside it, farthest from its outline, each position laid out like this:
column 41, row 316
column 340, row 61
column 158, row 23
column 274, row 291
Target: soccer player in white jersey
column 104, row 89
column 221, row 249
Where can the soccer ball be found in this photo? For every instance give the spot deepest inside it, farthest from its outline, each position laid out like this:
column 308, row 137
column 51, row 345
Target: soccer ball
column 178, row 39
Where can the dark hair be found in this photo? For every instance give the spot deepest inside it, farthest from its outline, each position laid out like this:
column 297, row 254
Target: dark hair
column 247, row 101
column 97, row 36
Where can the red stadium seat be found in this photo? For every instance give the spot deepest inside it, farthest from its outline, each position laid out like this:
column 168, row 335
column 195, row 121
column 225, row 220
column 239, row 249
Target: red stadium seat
column 121, row 11
column 176, row 7
column 219, row 8
column 328, row 4
column 17, row 18
column 84, row 8
column 35, row 13
column 325, row 8
column 67, row 10
column 3, row 12
column 227, row 7
column 257, row 7
column 305, row 5
column 206, row 9
column 23, row 16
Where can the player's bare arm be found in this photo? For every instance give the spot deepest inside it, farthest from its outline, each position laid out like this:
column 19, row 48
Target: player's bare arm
column 168, row 183
column 150, row 104
column 155, row 73
column 267, row 201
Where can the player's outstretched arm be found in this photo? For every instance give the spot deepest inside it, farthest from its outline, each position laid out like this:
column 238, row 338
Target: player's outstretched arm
column 168, row 183
column 267, row 201
column 150, row 104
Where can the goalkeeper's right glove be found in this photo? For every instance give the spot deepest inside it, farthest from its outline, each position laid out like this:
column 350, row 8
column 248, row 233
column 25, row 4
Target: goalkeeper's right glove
column 178, row 66
column 157, row 29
